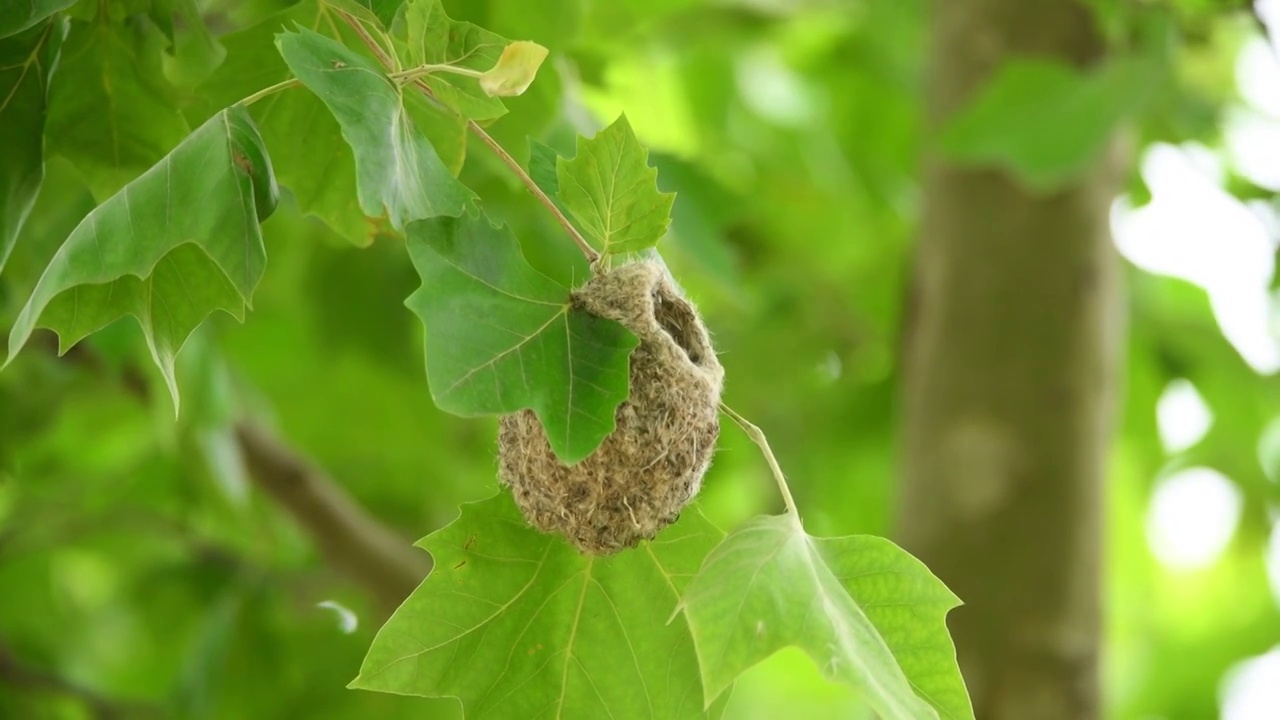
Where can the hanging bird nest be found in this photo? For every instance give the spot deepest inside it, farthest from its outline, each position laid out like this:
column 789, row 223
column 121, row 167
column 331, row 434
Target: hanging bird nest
column 651, row 466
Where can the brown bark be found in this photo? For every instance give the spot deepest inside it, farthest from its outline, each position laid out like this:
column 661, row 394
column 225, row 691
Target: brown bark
column 1010, row 364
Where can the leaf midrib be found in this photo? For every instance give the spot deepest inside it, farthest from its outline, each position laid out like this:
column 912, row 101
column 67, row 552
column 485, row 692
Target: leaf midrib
column 32, row 59
column 514, row 348
column 573, row 634
column 843, row 631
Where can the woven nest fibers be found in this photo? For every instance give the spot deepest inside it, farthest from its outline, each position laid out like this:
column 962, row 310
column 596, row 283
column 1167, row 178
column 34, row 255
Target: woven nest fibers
column 651, row 466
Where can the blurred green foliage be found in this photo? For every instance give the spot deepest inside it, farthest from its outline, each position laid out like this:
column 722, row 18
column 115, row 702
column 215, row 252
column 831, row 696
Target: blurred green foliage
column 137, row 565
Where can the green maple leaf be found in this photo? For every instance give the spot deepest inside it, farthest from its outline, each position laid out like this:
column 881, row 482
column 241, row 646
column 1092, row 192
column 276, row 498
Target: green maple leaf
column 432, row 37
column 19, row 15
column 517, row 624
column 502, row 337
column 170, row 248
column 870, row 615
column 613, row 193
column 112, row 112
column 27, row 64
column 398, row 172
column 308, row 152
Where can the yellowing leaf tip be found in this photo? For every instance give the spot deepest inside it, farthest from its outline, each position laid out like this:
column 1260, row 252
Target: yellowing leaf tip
column 515, row 69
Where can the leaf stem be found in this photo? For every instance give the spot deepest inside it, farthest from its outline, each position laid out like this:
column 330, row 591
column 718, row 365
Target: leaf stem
column 757, row 436
column 589, row 252
column 416, row 72
column 270, row 90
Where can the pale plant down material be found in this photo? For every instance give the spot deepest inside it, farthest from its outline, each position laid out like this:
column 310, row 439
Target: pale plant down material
column 651, row 466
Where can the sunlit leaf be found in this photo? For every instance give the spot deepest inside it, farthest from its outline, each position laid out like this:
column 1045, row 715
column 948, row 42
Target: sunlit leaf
column 433, row 38
column 27, row 63
column 1046, row 121
column 515, row 70
column 502, row 337
column 517, row 624
column 869, row 615
column 398, row 172
column 18, row 15
column 112, row 112
column 169, row 249
column 613, row 193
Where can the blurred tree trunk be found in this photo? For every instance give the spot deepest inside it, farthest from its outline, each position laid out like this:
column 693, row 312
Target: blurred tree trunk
column 1011, row 350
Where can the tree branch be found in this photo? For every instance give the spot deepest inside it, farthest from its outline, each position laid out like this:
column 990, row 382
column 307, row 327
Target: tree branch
column 351, row 540
column 1009, row 379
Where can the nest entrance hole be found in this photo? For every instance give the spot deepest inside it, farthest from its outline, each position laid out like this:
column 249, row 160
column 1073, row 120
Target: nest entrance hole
column 678, row 320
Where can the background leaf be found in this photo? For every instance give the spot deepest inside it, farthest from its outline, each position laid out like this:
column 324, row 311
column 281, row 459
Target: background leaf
column 195, row 52
column 173, row 246
column 502, row 337
column 308, row 153
column 18, row 15
column 27, row 63
column 515, row 623
column 384, row 10
column 112, row 112
column 553, row 23
column 398, row 172
column 869, row 615
column 613, row 193
column 1046, row 121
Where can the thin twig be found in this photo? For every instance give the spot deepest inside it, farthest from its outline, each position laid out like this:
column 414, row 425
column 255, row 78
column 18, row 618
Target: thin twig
column 588, row 251
column 374, row 46
column 757, row 436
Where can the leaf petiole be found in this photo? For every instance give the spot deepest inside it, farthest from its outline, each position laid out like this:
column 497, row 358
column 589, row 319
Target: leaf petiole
column 757, row 436
column 270, row 90
column 414, row 73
